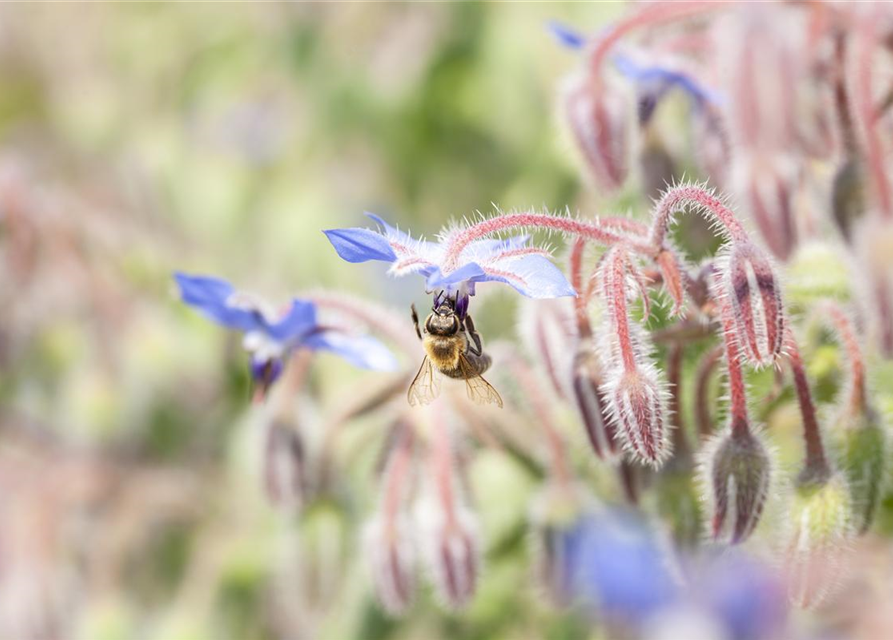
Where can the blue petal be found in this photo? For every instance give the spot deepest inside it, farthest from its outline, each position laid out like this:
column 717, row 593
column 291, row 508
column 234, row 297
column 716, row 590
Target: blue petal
column 471, row 271
column 300, row 319
column 537, row 277
column 421, row 247
column 566, row 36
column 663, row 77
column 361, row 351
column 360, row 245
column 210, row 295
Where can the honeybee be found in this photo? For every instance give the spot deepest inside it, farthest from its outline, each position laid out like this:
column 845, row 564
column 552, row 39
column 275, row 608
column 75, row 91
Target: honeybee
column 453, row 348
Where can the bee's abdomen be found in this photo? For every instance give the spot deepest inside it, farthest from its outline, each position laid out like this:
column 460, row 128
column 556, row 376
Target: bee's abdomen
column 479, row 365
column 444, row 352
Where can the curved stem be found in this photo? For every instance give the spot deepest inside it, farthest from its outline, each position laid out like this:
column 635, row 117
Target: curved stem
column 533, row 393
column 576, row 273
column 866, row 41
column 443, row 466
column 846, row 332
column 702, row 201
column 592, row 231
column 816, row 465
column 737, row 390
column 615, row 297
column 674, row 377
column 397, row 471
column 656, row 13
column 702, row 384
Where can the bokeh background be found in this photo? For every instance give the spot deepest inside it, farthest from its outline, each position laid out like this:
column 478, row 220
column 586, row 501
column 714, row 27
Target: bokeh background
column 136, row 139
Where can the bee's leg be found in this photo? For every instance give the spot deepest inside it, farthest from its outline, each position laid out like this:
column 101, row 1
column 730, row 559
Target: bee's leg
column 415, row 321
column 477, row 349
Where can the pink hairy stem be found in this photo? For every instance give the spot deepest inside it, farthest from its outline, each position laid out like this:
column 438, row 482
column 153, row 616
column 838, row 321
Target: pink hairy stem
column 397, row 471
column 737, row 389
column 582, row 299
column 592, row 231
column 674, row 377
column 702, row 382
column 654, row 14
column 708, row 205
column 847, row 335
column 375, row 316
column 816, row 462
column 442, row 453
column 615, row 298
column 533, row 392
column 866, row 42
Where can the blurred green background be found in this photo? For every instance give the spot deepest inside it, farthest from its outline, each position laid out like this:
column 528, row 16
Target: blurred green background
column 221, row 138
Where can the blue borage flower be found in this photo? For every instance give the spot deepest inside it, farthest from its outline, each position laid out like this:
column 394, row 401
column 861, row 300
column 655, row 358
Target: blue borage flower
column 653, row 81
column 270, row 336
column 511, row 261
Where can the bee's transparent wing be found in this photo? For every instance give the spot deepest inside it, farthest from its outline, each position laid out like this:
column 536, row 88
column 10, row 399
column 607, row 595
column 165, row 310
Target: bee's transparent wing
column 479, row 390
column 426, row 385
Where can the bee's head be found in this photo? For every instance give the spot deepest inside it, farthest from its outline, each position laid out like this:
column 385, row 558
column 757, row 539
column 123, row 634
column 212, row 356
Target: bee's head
column 443, row 322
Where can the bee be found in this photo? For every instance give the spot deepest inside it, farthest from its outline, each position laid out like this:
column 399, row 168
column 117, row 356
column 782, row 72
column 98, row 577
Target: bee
column 453, row 348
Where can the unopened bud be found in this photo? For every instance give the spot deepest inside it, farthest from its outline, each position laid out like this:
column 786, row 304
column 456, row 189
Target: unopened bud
column 391, row 557
column 752, row 289
column 284, row 465
column 848, row 196
column 450, row 546
column 599, row 126
column 860, row 445
column 588, row 380
column 818, row 540
column 636, row 405
column 767, row 191
column 736, row 473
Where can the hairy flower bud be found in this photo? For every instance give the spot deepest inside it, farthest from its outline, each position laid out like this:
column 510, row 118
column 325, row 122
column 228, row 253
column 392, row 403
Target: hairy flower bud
column 860, row 447
column 818, row 541
column 284, row 465
column 450, row 546
column 636, row 405
column 391, row 557
column 736, row 472
column 848, row 196
column 599, row 126
column 767, row 189
column 588, row 381
column 752, row 288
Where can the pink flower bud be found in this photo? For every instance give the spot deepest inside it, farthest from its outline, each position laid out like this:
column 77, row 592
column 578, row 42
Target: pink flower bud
column 450, row 547
column 599, row 125
column 736, row 473
column 752, row 289
column 284, row 464
column 391, row 557
column 587, row 384
column 636, row 405
column 767, row 188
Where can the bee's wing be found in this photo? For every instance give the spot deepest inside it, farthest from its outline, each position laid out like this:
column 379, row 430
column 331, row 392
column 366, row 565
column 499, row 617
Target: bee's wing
column 479, row 390
column 426, row 385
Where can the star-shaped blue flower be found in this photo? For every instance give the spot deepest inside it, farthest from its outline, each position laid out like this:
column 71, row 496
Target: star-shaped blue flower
column 271, row 336
column 511, row 261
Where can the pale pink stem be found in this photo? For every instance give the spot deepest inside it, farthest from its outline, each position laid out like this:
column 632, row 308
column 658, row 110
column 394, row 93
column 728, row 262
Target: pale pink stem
column 816, row 463
column 617, row 261
column 653, row 14
column 847, row 334
column 737, row 389
column 591, row 231
column 397, row 471
column 866, row 42
column 711, row 207
column 443, row 466
column 375, row 316
column 532, row 389
column 576, row 273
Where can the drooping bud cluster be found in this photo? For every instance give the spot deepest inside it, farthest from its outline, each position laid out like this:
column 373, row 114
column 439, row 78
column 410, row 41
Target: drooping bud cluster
column 633, row 389
column 284, row 465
